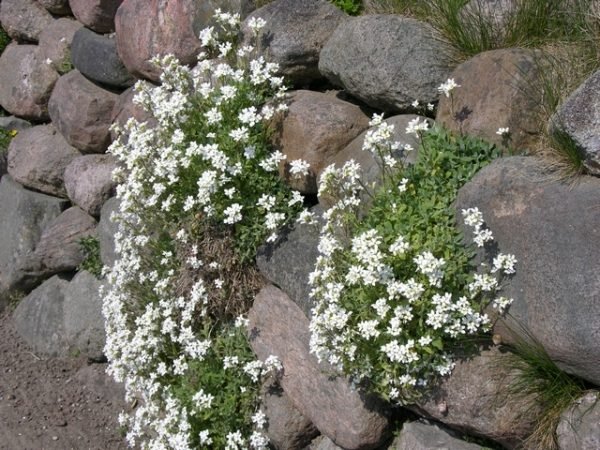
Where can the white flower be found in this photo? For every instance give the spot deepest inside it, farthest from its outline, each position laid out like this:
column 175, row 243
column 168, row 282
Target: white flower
column 501, row 303
column 503, row 131
column 202, row 399
column 473, row 217
column 447, row 87
column 415, row 126
column 430, row 106
column 399, row 246
column 233, row 214
column 241, row 322
column 256, row 24
column 431, row 267
column 403, row 183
column 368, row 329
column 505, row 263
column 415, row 104
column 240, row 134
column 205, row 438
column 299, row 168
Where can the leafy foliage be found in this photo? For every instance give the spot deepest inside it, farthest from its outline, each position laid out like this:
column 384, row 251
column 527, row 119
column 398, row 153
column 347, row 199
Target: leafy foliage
column 90, row 247
column 352, row 7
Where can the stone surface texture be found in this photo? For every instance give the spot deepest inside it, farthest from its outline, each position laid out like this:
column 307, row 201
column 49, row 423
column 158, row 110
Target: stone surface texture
column 315, row 128
column 20, row 231
column 89, row 183
column 62, row 318
column 37, row 159
column 26, row 82
column 125, row 108
column 147, row 28
column 99, row 15
column 421, row 435
column 289, row 261
column 579, row 427
column 55, row 43
column 278, row 327
column 96, row 57
column 387, row 61
column 24, row 20
column 475, row 398
column 579, row 117
column 287, row 428
column 83, row 119
column 556, row 286
column 294, row 35
column 495, row 88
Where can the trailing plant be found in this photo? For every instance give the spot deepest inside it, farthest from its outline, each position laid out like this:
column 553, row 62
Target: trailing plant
column 199, row 192
column 5, row 138
column 395, row 289
column 90, row 247
column 352, row 7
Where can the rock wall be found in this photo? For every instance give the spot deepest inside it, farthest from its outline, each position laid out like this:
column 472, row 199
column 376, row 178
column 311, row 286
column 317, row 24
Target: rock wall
column 69, row 72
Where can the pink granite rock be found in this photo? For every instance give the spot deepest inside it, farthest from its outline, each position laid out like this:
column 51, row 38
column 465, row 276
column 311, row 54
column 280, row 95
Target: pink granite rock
column 99, row 15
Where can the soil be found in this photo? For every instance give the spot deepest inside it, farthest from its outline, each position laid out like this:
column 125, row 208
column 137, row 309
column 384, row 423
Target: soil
column 54, row 403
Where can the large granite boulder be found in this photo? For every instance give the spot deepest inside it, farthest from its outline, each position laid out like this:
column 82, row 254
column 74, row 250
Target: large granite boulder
column 294, row 35
column 421, row 435
column 58, row 249
column 89, row 182
column 579, row 426
column 83, row 119
column 387, row 61
column 496, row 88
column 339, row 411
column 315, row 128
column 579, row 118
column 289, row 260
column 55, row 43
column 287, row 428
column 37, row 159
column 476, row 399
column 99, row 15
column 26, row 82
column 147, row 28
column 96, row 57
column 62, row 318
column 21, row 229
column 14, row 123
column 24, row 20
column 552, row 228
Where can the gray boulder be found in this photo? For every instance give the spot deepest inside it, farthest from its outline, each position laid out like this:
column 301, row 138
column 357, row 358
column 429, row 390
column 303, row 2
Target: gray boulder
column 288, row 262
column 556, row 287
column 422, row 435
column 339, row 411
column 287, row 428
column 323, row 443
column 387, row 61
column 55, row 43
column 37, row 159
column 14, row 123
column 107, row 229
column 496, row 87
column 294, row 35
column 62, row 318
column 89, row 183
column 579, row 427
column 475, row 398
column 99, row 15
column 83, row 119
column 21, row 228
column 96, row 57
column 26, row 82
column 579, row 117
column 315, row 128
column 24, row 20
column 58, row 249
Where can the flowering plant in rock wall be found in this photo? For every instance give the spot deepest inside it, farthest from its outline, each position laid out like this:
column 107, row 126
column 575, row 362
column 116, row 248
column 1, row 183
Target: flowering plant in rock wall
column 199, row 192
column 395, row 289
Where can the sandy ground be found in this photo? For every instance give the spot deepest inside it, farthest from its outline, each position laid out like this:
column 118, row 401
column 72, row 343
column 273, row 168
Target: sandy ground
column 54, row 403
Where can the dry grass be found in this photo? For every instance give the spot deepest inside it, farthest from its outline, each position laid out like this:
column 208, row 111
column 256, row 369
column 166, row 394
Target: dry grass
column 242, row 281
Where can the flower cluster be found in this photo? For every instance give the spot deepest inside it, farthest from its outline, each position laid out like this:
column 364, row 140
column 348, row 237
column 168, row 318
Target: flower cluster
column 388, row 297
column 202, row 164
